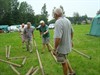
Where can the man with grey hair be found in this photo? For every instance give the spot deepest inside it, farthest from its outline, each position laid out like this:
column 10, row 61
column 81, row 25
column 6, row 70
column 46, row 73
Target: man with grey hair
column 63, row 34
column 28, row 33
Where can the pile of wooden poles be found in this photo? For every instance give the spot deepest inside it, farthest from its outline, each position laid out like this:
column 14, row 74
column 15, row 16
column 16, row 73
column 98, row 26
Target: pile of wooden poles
column 31, row 71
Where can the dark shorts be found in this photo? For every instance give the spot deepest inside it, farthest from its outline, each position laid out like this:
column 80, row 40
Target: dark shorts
column 61, row 58
column 45, row 40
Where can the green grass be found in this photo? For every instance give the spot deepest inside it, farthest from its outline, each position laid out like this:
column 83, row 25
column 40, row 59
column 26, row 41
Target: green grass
column 82, row 42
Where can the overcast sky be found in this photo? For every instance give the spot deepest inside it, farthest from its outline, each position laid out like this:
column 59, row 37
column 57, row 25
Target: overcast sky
column 89, row 7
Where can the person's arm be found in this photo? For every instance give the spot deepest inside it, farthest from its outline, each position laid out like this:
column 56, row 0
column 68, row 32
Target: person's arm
column 57, row 42
column 46, row 30
column 72, row 32
column 57, row 35
column 33, row 33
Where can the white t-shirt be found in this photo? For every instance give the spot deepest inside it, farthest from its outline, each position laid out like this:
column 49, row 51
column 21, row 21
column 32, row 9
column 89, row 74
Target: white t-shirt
column 21, row 30
column 63, row 30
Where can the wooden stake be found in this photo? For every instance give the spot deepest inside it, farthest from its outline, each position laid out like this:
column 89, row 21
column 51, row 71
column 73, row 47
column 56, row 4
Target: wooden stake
column 6, row 51
column 89, row 57
column 13, row 68
column 54, row 56
column 51, row 46
column 24, row 61
column 8, row 62
column 41, row 67
column 29, row 71
column 16, row 58
column 9, row 47
column 35, row 71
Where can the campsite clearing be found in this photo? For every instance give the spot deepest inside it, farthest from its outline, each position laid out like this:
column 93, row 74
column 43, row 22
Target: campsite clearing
column 89, row 45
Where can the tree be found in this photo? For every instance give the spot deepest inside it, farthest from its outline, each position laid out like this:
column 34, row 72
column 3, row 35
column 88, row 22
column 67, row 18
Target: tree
column 4, row 8
column 44, row 14
column 12, row 12
column 85, row 18
column 76, row 17
column 26, row 13
column 62, row 9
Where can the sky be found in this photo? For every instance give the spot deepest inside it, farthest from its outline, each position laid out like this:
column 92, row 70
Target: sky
column 89, row 7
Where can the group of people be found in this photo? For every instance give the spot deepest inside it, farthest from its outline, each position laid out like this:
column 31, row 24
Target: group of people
column 27, row 35
column 63, row 35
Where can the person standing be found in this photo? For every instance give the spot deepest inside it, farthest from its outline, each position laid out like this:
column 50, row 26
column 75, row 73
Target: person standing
column 29, row 35
column 44, row 32
column 63, row 34
column 21, row 30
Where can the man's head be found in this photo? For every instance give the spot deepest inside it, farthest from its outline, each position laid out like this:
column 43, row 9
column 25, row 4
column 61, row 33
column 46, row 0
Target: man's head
column 42, row 23
column 22, row 25
column 28, row 24
column 57, row 12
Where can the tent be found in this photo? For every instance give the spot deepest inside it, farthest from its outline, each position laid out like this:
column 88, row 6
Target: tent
column 95, row 26
column 4, row 28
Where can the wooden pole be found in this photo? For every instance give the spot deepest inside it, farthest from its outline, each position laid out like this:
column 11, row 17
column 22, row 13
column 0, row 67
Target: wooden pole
column 24, row 61
column 29, row 71
column 52, row 53
column 8, row 62
column 16, row 58
column 51, row 46
column 13, row 68
column 41, row 67
column 54, row 56
column 9, row 47
column 82, row 54
column 35, row 71
column 6, row 52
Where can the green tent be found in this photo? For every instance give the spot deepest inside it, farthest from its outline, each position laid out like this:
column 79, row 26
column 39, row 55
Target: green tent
column 95, row 26
column 4, row 27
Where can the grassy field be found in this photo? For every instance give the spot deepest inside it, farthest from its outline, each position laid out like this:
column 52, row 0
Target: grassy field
column 82, row 42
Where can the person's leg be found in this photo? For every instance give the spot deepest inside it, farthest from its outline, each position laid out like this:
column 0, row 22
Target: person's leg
column 47, row 43
column 31, row 45
column 23, row 40
column 69, row 67
column 48, row 47
column 43, row 48
column 65, row 68
column 71, row 71
column 61, row 58
column 27, row 45
column 43, row 43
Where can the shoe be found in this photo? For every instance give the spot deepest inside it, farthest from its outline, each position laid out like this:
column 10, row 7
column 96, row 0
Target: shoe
column 72, row 73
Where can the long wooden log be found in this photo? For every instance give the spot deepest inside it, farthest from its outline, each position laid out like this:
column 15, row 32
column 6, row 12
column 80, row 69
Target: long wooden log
column 52, row 53
column 24, row 61
column 29, row 71
column 13, row 68
column 11, row 63
column 41, row 67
